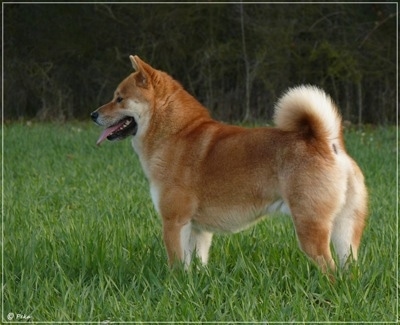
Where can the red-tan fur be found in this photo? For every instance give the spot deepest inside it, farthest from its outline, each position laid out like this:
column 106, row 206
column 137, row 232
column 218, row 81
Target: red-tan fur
column 208, row 177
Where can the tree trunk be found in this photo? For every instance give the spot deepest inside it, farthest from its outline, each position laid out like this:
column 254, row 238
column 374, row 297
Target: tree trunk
column 360, row 110
column 247, row 67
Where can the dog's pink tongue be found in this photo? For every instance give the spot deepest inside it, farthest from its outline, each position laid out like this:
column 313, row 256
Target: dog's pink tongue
column 107, row 132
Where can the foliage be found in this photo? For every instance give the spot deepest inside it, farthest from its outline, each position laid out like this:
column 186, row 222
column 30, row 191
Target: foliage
column 82, row 242
column 61, row 61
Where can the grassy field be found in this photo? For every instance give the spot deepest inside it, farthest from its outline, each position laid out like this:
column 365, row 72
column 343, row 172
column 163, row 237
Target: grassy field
column 82, row 242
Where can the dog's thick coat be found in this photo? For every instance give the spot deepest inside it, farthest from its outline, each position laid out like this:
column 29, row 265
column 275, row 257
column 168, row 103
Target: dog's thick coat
column 208, row 177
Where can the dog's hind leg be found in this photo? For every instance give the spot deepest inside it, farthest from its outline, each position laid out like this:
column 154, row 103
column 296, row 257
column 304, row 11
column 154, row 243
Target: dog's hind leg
column 314, row 237
column 314, row 201
column 312, row 217
column 346, row 235
column 349, row 223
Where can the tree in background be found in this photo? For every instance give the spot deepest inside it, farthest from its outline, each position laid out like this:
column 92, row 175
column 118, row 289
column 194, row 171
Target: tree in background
column 61, row 61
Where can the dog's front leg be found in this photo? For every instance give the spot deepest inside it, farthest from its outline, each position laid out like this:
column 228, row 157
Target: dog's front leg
column 172, row 241
column 181, row 241
column 177, row 208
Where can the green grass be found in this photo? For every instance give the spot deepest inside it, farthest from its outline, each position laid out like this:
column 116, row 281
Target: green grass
column 82, row 242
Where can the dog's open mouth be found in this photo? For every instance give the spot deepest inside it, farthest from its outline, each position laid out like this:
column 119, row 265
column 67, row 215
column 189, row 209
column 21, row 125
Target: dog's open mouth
column 120, row 130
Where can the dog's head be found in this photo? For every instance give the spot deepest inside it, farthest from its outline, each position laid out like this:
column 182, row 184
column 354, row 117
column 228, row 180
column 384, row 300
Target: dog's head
column 129, row 111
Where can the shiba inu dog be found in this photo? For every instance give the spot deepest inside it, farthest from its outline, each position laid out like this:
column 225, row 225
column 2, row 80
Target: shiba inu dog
column 208, row 177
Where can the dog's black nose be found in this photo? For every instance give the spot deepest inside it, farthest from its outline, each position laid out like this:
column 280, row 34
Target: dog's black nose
column 94, row 116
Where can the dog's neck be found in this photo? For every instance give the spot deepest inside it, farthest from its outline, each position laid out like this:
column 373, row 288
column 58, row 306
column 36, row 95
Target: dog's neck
column 172, row 112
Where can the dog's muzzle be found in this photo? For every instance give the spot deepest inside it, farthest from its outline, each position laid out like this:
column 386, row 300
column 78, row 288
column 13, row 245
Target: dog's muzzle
column 123, row 128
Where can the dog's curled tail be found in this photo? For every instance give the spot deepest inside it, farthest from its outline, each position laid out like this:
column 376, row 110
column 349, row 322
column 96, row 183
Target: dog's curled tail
column 310, row 110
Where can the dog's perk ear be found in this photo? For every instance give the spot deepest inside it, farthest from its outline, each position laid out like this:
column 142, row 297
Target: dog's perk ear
column 139, row 66
column 134, row 60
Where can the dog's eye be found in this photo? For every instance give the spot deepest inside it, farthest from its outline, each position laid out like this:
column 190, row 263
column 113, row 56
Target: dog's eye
column 119, row 99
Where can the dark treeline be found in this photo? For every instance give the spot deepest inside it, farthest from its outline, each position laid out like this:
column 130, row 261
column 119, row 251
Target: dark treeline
column 61, row 61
